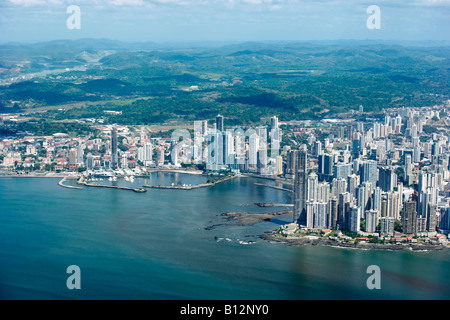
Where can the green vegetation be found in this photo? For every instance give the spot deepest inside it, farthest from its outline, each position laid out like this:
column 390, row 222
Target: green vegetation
column 46, row 128
column 247, row 83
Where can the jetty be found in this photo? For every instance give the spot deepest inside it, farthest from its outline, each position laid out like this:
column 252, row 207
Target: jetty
column 264, row 204
column 195, row 186
column 61, row 183
column 202, row 185
column 82, row 182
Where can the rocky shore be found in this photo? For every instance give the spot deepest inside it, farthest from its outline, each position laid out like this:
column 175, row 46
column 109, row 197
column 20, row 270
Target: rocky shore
column 313, row 240
column 245, row 219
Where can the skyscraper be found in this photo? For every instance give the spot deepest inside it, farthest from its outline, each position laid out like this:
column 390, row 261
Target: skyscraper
column 341, row 170
column 300, row 186
column 274, row 122
column 72, row 157
column 371, row 220
column 333, row 212
column 219, row 123
column 354, row 222
column 312, row 187
column 409, row 218
column 147, row 153
column 290, row 164
column 114, row 149
column 325, row 169
column 80, row 154
column 387, row 179
column 369, row 172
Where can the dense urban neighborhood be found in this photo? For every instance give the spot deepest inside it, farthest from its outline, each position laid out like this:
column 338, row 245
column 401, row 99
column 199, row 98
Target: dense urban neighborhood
column 365, row 176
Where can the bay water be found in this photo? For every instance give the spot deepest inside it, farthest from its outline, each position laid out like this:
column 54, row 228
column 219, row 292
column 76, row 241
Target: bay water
column 174, row 244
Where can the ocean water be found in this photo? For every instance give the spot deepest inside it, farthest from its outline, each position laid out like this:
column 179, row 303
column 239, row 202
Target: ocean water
column 158, row 245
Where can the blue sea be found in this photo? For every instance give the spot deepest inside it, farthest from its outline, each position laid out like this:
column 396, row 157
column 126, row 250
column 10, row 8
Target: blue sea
column 174, row 244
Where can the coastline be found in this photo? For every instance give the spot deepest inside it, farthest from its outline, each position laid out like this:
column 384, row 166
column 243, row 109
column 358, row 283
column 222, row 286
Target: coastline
column 314, row 240
column 36, row 175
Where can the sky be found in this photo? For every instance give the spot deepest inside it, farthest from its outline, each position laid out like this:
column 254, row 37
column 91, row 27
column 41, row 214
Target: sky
column 165, row 21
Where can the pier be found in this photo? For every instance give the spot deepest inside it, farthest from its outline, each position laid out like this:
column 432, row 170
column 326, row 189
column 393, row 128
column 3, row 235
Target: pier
column 61, row 183
column 203, row 185
column 196, row 186
column 82, row 182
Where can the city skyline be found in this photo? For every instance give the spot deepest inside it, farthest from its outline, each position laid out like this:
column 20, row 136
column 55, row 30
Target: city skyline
column 331, row 188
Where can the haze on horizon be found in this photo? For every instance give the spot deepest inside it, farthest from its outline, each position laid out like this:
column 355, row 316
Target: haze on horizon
column 224, row 20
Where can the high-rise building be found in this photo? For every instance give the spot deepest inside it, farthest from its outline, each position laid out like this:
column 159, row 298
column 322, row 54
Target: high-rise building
column 354, row 222
column 80, row 154
column 444, row 222
column 325, row 167
column 312, row 187
column 323, row 192
column 219, row 123
column 317, row 148
column 274, row 122
column 300, row 186
column 338, row 186
column 290, row 164
column 409, row 218
column 369, row 172
column 361, row 197
column 387, row 179
column 333, row 213
column 321, row 215
column 416, row 154
column 227, row 147
column 204, row 127
column 254, row 143
column 343, row 206
column 371, row 220
column 387, row 226
column 341, row 170
column 431, row 218
column 114, row 150
column 160, row 157
column 393, row 205
column 147, row 153
column 353, row 181
column 310, row 214
column 72, row 157
column 89, row 161
column 376, row 203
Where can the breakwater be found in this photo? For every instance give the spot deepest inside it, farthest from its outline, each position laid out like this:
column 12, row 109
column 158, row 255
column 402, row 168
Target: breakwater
column 190, row 187
column 61, row 183
column 82, row 182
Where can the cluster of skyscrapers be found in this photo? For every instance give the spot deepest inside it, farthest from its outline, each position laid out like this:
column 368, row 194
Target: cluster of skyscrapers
column 371, row 183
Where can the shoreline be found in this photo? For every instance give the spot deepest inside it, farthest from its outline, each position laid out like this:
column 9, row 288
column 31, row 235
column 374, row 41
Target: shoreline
column 313, row 240
column 37, row 175
column 52, row 174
